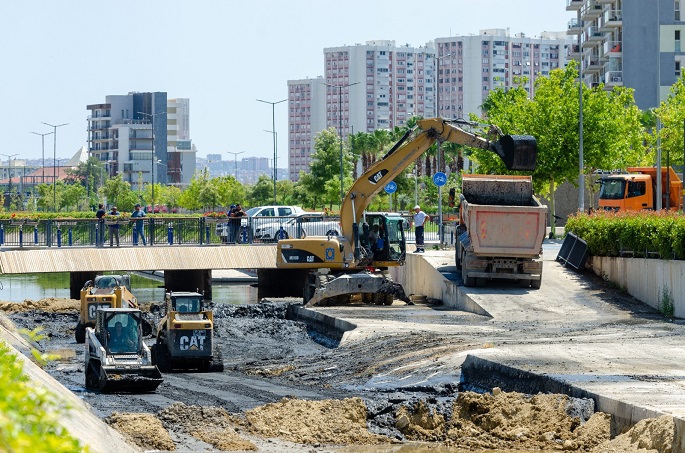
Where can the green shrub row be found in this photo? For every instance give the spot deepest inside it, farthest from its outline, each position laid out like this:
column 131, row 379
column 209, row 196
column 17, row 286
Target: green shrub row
column 641, row 234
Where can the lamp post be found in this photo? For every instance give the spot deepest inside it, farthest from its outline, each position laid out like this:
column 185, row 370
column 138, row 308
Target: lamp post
column 437, row 106
column 273, row 126
column 42, row 139
column 54, row 161
column 153, row 161
column 340, row 88
column 235, row 163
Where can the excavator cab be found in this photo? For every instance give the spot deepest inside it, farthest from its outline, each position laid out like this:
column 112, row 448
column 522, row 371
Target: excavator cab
column 384, row 238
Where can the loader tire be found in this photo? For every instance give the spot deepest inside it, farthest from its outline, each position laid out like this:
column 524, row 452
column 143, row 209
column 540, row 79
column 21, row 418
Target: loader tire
column 93, row 375
column 160, row 358
column 388, row 299
column 80, row 333
column 217, row 364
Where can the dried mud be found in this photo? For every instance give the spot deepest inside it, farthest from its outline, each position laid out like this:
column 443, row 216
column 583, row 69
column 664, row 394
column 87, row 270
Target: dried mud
column 287, row 388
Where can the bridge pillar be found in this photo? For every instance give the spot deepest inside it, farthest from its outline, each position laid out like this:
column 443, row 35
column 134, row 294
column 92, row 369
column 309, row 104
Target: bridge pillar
column 189, row 280
column 281, row 282
column 76, row 281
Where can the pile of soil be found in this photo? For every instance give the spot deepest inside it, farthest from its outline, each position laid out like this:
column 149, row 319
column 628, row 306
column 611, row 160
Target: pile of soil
column 50, row 305
column 212, row 425
column 143, row 430
column 652, row 435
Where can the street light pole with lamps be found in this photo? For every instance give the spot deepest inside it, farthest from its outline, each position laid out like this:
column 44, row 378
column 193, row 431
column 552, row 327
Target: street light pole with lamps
column 153, row 161
column 340, row 87
column 42, row 139
column 235, row 163
column 273, row 125
column 437, row 106
column 54, row 161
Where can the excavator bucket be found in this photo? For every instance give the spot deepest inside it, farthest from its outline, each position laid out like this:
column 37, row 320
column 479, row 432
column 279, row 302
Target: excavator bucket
column 518, row 152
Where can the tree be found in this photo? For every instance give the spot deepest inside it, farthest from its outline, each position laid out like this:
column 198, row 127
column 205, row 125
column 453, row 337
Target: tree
column 90, row 175
column 325, row 166
column 190, row 197
column 230, row 190
column 119, row 193
column 262, row 193
column 671, row 112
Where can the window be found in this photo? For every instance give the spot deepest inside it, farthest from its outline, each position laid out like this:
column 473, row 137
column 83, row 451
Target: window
column 677, row 9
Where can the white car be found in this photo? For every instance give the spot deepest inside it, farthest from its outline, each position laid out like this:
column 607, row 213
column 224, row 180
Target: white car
column 303, row 225
column 256, row 216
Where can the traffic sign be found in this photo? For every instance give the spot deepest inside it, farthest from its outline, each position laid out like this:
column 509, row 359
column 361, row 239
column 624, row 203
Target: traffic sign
column 391, row 187
column 440, row 179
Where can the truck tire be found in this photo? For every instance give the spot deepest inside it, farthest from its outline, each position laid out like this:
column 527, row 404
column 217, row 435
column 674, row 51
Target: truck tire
column 468, row 281
column 80, row 333
column 457, row 258
column 535, row 284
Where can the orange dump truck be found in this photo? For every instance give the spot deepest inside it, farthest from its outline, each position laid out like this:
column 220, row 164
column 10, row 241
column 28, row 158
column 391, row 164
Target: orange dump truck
column 636, row 190
column 501, row 229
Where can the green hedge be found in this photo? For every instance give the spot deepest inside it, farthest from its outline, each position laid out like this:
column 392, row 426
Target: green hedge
column 641, row 234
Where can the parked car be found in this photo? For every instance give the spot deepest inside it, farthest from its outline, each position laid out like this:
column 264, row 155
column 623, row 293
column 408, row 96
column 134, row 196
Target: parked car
column 256, row 216
column 300, row 226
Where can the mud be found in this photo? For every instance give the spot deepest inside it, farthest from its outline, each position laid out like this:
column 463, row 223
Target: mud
column 288, row 388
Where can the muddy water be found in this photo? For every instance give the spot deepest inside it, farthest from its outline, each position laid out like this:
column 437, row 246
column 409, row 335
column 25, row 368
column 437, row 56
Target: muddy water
column 17, row 288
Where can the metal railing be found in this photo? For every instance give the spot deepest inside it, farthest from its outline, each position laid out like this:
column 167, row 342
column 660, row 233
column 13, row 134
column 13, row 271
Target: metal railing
column 164, row 231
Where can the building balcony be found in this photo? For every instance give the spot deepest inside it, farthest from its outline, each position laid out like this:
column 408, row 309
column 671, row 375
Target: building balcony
column 613, row 79
column 593, row 37
column 592, row 10
column 574, row 5
column 575, row 27
column 573, row 52
column 593, row 65
column 612, row 49
column 606, row 2
column 613, row 19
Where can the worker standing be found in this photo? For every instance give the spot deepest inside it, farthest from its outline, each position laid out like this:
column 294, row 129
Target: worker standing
column 113, row 228
column 139, row 232
column 419, row 220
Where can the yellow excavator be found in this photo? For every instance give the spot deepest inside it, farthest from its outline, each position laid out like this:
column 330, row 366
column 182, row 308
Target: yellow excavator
column 349, row 264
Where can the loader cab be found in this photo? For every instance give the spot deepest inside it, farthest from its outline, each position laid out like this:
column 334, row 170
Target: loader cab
column 119, row 330
column 184, row 302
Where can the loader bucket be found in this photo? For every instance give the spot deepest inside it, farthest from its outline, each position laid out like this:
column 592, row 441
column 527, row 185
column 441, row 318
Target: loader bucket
column 140, row 380
column 518, row 152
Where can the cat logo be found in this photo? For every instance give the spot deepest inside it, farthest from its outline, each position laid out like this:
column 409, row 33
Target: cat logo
column 330, row 254
column 194, row 342
column 374, row 178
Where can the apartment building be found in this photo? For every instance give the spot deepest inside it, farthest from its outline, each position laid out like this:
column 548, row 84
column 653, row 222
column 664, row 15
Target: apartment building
column 306, row 118
column 120, row 135
column 469, row 67
column 629, row 43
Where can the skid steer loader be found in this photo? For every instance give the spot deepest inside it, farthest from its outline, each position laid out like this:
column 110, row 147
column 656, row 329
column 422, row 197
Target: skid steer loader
column 117, row 359
column 185, row 335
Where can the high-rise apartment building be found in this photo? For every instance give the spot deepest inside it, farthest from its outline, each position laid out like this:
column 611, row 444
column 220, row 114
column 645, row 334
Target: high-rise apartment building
column 306, row 117
column 120, row 136
column 469, row 67
column 629, row 43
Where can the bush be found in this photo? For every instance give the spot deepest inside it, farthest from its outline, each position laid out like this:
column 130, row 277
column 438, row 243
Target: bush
column 29, row 414
column 640, row 233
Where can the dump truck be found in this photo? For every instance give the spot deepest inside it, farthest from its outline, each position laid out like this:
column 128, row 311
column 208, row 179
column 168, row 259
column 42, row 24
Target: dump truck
column 342, row 266
column 105, row 291
column 185, row 334
column 636, row 190
column 117, row 359
column 501, row 229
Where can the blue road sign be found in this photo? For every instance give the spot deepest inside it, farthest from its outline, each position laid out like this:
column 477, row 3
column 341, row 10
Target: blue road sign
column 391, row 187
column 440, row 179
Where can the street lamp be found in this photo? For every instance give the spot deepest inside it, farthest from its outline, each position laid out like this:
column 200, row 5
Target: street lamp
column 340, row 87
column 152, row 156
column 54, row 161
column 273, row 119
column 437, row 106
column 42, row 139
column 235, row 162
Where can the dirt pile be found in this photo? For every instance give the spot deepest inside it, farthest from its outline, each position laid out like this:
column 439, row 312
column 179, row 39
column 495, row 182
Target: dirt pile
column 212, row 425
column 143, row 430
column 653, row 435
column 508, row 421
column 336, row 422
column 50, row 305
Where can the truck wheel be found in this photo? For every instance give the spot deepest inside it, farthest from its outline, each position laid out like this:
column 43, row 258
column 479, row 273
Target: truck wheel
column 535, row 284
column 92, row 375
column 524, row 283
column 80, row 333
column 468, row 281
column 457, row 259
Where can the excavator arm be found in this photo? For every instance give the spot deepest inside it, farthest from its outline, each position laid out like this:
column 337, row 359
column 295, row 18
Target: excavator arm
column 518, row 152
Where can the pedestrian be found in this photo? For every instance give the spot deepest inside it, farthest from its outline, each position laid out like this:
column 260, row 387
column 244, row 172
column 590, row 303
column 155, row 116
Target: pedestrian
column 100, row 214
column 139, row 232
column 236, row 221
column 419, row 220
column 114, row 228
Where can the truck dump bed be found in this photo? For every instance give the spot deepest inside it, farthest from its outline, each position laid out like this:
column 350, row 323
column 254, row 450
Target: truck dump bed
column 502, row 217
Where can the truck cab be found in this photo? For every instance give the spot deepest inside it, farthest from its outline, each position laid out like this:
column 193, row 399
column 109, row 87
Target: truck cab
column 626, row 192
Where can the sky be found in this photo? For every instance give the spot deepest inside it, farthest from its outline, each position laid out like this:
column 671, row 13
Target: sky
column 57, row 57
